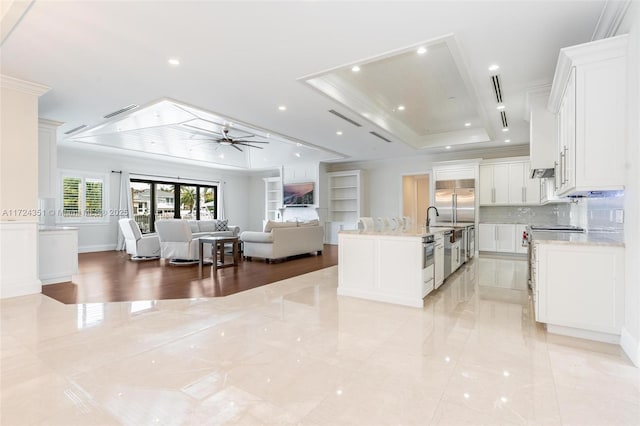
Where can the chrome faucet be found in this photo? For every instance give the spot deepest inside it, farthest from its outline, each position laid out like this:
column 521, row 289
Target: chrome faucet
column 428, row 218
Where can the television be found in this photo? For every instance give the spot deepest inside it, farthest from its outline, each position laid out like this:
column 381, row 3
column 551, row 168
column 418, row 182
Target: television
column 297, row 194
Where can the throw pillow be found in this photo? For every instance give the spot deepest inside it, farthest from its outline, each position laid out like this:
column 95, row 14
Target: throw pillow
column 314, row 222
column 221, row 225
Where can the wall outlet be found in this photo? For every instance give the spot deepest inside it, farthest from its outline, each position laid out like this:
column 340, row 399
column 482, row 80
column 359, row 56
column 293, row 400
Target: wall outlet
column 619, row 216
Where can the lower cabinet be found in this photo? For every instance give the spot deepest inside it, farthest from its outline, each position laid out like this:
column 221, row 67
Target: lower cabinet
column 497, row 237
column 580, row 288
column 439, row 260
column 381, row 267
column 58, row 255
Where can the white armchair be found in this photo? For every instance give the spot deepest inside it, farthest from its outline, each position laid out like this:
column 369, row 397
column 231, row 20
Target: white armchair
column 177, row 243
column 140, row 247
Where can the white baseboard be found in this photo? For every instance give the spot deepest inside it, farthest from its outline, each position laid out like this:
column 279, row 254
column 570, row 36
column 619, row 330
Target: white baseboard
column 584, row 334
column 23, row 288
column 91, row 249
column 630, row 346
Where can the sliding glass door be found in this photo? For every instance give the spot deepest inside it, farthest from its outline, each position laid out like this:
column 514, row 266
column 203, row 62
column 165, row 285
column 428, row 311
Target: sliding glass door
column 157, row 200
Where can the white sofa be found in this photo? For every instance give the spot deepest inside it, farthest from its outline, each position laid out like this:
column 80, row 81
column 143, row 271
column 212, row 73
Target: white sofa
column 200, row 228
column 283, row 239
column 180, row 244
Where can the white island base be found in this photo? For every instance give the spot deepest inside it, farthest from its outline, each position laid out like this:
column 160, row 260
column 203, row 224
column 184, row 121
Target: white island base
column 382, row 267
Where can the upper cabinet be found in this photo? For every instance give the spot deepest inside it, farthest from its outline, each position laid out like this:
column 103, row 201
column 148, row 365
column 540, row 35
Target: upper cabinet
column 494, row 184
column 508, row 183
column 589, row 97
column 47, row 158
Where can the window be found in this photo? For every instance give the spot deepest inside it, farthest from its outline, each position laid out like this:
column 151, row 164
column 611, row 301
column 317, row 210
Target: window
column 154, row 200
column 82, row 197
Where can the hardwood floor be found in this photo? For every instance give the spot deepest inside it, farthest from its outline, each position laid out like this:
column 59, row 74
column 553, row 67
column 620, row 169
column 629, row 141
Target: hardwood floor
column 111, row 277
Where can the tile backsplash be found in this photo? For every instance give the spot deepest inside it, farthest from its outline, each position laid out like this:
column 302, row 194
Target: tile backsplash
column 600, row 213
column 550, row 214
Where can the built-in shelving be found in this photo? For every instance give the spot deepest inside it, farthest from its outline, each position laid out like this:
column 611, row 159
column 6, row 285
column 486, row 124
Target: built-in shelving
column 345, row 201
column 273, row 198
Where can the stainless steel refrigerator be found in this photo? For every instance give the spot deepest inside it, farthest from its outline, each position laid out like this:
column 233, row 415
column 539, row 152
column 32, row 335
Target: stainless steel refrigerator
column 455, row 201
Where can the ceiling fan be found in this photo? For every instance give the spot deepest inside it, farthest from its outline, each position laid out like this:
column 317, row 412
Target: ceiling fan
column 225, row 139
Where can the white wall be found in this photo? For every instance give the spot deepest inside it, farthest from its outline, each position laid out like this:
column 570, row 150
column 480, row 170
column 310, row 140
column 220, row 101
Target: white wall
column 103, row 236
column 631, row 330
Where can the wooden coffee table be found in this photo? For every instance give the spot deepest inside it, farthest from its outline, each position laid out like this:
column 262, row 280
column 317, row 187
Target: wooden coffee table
column 217, row 250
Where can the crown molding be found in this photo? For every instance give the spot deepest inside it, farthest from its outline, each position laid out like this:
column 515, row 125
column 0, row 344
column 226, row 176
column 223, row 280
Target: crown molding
column 49, row 124
column 610, row 19
column 31, row 88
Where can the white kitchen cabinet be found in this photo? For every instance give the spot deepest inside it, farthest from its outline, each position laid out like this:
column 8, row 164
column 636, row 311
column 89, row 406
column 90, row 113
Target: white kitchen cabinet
column 273, row 198
column 497, row 237
column 494, row 184
column 580, row 287
column 455, row 256
column 57, row 254
column 386, row 268
column 47, row 158
column 439, row 260
column 486, row 237
column 589, row 97
column 508, row 183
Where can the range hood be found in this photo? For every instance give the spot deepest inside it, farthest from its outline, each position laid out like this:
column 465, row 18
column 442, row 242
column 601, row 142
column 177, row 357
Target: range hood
column 542, row 136
column 542, row 173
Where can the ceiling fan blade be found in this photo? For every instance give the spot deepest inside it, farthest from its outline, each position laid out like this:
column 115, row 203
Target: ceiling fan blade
column 237, row 147
column 247, row 144
column 236, row 140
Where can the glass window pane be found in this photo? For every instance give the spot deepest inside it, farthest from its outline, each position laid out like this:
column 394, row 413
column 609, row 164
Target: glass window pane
column 141, row 199
column 71, row 196
column 207, row 202
column 93, row 197
column 187, row 202
column 164, row 201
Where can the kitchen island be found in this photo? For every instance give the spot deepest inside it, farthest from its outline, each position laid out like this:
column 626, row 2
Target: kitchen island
column 384, row 266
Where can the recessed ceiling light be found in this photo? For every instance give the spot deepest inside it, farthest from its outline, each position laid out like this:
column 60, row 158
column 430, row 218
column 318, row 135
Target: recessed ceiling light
column 500, row 107
column 339, row 132
column 447, row 147
column 174, row 61
column 282, row 108
column 494, row 67
column 297, row 154
column 507, row 140
column 268, row 135
column 355, row 68
column 467, row 124
column 400, row 107
column 221, row 155
column 505, row 129
column 298, row 144
column 422, row 50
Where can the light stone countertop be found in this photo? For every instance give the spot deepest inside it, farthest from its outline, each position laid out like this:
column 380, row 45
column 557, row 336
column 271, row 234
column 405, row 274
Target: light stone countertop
column 596, row 238
column 56, row 228
column 410, row 233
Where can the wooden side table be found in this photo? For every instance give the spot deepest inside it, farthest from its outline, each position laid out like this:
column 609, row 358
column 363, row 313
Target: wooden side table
column 217, row 250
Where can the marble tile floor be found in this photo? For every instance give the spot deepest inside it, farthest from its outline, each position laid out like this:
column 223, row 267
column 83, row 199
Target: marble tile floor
column 294, row 353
